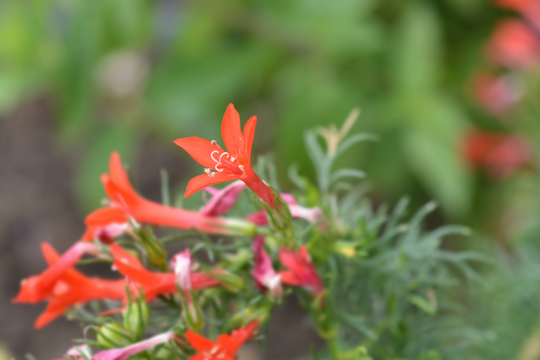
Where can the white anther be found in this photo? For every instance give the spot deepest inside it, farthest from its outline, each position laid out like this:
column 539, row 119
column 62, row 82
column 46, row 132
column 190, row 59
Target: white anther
column 214, row 142
column 241, row 167
column 207, row 170
column 233, row 158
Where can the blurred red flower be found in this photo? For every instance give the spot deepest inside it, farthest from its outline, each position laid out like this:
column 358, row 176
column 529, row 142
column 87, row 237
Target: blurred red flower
column 154, row 283
column 496, row 94
column 529, row 9
column 514, row 45
column 65, row 286
column 500, row 154
column 301, row 270
column 107, row 223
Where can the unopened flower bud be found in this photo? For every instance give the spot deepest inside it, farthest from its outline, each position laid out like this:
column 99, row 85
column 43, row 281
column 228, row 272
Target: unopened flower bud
column 112, row 335
column 181, row 266
column 229, row 281
column 247, row 315
column 157, row 255
column 192, row 312
column 137, row 315
column 241, row 227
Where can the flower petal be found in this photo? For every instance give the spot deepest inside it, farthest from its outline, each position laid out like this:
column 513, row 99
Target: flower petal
column 230, row 131
column 49, row 315
column 249, row 133
column 240, row 336
column 200, row 150
column 199, row 342
column 39, row 287
column 105, row 216
column 223, row 200
column 202, row 181
column 117, row 172
column 128, row 265
column 128, row 351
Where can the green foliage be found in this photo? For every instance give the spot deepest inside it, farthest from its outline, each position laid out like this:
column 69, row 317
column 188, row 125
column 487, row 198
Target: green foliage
column 109, row 65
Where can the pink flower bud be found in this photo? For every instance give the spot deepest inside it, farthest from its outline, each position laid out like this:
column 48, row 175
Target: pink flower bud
column 125, row 352
column 222, row 200
column 263, row 272
column 181, row 266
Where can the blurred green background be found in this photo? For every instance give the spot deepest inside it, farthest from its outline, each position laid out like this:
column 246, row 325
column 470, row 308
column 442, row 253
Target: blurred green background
column 133, row 75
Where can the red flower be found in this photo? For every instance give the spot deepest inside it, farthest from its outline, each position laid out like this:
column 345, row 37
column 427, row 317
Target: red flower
column 125, row 202
column 514, row 45
column 225, row 347
column 501, row 154
column 153, row 283
column 221, row 165
column 69, row 287
column 301, row 270
column 40, row 287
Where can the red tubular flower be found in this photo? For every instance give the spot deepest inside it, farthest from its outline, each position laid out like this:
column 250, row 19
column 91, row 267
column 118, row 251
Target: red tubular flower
column 221, row 165
column 127, row 203
column 514, row 45
column 225, row 347
column 69, row 286
column 153, row 283
column 40, row 287
column 501, row 154
column 301, row 270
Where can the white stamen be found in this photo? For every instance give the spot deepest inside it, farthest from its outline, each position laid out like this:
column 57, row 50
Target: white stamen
column 233, row 158
column 213, row 142
column 225, row 153
column 218, row 162
column 212, row 155
column 241, row 167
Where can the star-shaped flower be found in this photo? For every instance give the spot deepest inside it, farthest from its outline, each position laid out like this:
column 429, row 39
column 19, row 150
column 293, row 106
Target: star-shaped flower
column 233, row 164
column 225, row 347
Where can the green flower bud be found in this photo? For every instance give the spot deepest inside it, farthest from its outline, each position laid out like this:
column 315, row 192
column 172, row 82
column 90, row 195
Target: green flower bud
column 192, row 312
column 229, row 281
column 137, row 315
column 112, row 335
column 241, row 227
column 157, row 255
column 247, row 315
